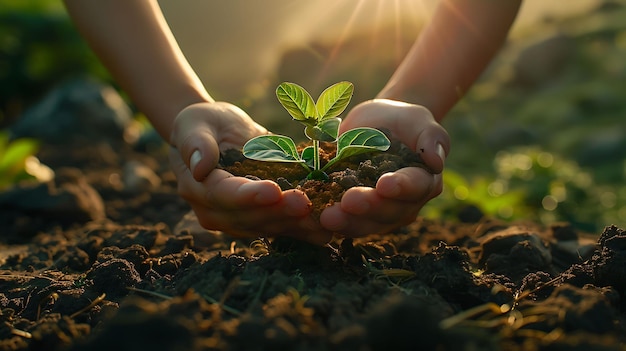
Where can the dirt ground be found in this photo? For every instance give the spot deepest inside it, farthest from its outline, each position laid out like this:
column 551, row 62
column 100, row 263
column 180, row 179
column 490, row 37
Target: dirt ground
column 121, row 269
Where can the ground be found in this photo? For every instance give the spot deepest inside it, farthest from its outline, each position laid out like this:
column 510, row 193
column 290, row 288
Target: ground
column 128, row 273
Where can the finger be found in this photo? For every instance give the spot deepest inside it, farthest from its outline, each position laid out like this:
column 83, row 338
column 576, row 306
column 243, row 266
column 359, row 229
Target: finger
column 269, row 221
column 226, row 191
column 433, row 145
column 243, row 204
column 335, row 219
column 379, row 210
column 274, row 218
column 296, row 203
column 406, row 184
column 393, row 192
column 427, row 138
column 188, row 188
column 177, row 164
column 195, row 141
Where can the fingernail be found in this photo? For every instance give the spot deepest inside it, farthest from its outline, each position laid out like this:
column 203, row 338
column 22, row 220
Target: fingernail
column 441, row 152
column 194, row 160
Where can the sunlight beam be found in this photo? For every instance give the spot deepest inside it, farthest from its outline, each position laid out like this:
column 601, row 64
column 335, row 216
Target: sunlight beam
column 342, row 38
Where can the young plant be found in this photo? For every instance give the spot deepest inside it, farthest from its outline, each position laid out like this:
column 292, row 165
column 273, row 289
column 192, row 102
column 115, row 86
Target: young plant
column 321, row 122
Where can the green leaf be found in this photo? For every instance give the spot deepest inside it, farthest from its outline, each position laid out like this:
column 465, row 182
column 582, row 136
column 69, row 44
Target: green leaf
column 308, row 156
column 317, row 175
column 326, row 130
column 359, row 141
column 330, row 128
column 367, row 139
column 298, row 102
column 273, row 148
column 334, row 100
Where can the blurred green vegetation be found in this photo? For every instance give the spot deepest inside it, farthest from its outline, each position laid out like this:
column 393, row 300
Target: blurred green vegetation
column 38, row 48
column 18, row 162
column 531, row 184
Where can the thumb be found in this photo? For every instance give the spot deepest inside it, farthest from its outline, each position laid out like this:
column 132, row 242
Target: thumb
column 195, row 142
column 433, row 146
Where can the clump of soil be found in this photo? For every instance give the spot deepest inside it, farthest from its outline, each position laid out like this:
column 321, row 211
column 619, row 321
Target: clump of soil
column 359, row 170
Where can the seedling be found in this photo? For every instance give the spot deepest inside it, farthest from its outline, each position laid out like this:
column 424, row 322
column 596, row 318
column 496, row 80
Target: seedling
column 321, row 121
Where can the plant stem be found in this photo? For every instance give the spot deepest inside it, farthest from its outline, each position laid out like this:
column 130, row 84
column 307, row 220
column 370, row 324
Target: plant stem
column 316, row 155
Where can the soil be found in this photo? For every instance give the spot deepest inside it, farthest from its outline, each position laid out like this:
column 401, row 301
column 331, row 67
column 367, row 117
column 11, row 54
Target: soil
column 130, row 276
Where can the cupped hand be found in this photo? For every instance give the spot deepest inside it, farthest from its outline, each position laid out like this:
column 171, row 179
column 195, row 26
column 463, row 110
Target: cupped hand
column 398, row 196
column 238, row 206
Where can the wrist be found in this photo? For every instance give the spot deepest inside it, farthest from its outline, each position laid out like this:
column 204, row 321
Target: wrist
column 163, row 114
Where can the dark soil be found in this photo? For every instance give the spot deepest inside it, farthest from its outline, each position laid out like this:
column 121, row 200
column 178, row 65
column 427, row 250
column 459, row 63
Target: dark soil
column 131, row 277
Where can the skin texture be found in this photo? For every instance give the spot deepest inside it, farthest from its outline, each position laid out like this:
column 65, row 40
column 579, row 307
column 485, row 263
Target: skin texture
column 133, row 40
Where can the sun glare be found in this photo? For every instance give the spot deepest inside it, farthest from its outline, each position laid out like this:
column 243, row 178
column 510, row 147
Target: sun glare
column 347, row 30
column 376, row 18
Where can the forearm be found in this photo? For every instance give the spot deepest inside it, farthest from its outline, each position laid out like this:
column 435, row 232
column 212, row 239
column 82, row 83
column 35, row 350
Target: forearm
column 136, row 45
column 451, row 53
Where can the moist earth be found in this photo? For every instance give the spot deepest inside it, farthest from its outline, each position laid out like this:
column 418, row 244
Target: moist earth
column 107, row 256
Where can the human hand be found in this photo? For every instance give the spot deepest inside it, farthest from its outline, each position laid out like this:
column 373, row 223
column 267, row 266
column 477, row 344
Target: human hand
column 235, row 205
column 398, row 196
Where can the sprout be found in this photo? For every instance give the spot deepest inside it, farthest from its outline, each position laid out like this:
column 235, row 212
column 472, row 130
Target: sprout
column 321, row 123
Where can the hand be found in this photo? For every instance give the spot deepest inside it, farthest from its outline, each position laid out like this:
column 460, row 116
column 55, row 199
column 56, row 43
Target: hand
column 236, row 205
column 398, row 196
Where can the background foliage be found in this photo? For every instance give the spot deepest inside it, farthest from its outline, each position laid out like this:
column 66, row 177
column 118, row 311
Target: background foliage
column 39, row 47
